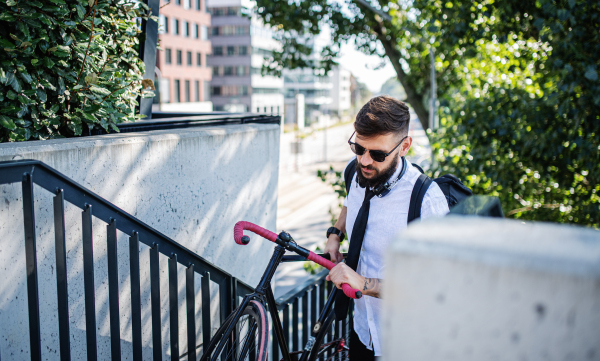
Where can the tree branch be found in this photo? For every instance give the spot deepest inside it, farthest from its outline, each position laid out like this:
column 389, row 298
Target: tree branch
column 89, row 42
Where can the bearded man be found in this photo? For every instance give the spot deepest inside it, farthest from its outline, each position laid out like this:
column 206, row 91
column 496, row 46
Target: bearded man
column 375, row 211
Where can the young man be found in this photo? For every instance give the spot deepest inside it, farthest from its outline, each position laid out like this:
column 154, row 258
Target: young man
column 381, row 130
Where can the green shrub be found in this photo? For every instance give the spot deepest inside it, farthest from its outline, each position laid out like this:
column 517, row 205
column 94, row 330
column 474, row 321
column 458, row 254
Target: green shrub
column 56, row 80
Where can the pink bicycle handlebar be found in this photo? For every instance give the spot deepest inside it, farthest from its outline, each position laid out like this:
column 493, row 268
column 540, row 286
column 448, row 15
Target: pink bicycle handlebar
column 240, row 238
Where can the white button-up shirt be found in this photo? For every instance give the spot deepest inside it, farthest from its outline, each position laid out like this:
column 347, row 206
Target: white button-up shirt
column 387, row 218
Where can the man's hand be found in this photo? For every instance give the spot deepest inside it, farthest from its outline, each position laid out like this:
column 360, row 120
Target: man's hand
column 341, row 274
column 333, row 248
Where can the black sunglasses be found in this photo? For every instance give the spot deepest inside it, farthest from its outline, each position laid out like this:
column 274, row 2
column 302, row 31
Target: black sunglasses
column 376, row 155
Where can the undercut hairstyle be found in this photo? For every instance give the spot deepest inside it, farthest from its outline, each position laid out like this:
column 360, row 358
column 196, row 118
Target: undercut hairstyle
column 382, row 115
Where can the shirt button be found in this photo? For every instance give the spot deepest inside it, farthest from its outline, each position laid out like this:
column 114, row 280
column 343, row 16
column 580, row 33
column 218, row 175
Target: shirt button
column 370, row 318
column 363, row 249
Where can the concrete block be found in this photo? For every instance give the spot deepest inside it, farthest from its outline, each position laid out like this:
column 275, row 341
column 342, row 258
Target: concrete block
column 190, row 184
column 471, row 288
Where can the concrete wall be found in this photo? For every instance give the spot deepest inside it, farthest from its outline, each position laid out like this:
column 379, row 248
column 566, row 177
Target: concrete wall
column 492, row 289
column 191, row 184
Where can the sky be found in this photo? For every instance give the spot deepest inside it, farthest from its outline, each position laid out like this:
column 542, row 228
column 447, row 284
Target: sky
column 362, row 67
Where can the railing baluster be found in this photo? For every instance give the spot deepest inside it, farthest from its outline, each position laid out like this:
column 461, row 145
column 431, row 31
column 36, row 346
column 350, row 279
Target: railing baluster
column 190, row 299
column 275, row 341
column 295, row 324
column 155, row 303
column 313, row 306
column 305, row 318
column 173, row 307
column 61, row 276
column 206, row 324
column 321, row 295
column 113, row 289
column 136, row 300
column 226, row 298
column 31, row 261
column 88, row 280
column 286, row 325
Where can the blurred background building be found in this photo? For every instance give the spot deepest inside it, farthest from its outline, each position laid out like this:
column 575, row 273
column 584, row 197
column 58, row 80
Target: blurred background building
column 182, row 75
column 240, row 44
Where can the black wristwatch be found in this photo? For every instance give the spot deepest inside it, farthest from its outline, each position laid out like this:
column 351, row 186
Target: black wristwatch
column 337, row 232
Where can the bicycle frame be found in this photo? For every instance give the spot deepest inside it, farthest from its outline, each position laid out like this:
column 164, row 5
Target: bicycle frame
column 264, row 292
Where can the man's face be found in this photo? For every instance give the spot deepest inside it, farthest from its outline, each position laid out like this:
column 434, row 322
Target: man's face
column 371, row 173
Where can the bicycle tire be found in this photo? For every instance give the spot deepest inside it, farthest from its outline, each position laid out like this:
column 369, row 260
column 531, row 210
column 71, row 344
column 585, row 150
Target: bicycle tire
column 236, row 348
column 319, row 345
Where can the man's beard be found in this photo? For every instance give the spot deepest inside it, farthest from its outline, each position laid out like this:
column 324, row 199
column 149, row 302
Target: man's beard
column 380, row 176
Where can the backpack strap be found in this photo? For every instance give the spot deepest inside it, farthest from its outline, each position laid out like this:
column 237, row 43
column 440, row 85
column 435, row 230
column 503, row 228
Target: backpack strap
column 416, row 198
column 349, row 175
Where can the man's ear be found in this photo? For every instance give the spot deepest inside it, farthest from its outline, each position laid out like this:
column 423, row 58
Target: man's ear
column 405, row 146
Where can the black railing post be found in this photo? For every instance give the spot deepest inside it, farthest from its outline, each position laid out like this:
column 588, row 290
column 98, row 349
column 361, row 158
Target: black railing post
column 173, row 307
column 155, row 303
column 31, row 261
column 206, row 324
column 190, row 299
column 286, row 325
column 61, row 275
column 88, row 283
column 136, row 298
column 295, row 324
column 305, row 317
column 113, row 289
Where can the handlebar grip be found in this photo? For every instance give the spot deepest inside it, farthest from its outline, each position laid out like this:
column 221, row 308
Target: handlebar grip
column 240, row 238
column 348, row 291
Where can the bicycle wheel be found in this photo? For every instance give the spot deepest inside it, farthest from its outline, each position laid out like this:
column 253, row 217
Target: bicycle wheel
column 249, row 340
column 330, row 344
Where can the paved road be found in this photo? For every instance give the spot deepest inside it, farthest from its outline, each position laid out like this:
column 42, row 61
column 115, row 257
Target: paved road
column 304, row 200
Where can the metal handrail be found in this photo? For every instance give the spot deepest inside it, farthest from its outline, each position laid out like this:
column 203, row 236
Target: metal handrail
column 29, row 172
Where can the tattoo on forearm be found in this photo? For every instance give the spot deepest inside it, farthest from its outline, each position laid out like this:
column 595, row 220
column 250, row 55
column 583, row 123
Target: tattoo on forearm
column 372, row 287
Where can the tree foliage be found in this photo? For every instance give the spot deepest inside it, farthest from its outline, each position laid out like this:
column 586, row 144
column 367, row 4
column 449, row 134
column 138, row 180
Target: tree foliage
column 517, row 82
column 68, row 66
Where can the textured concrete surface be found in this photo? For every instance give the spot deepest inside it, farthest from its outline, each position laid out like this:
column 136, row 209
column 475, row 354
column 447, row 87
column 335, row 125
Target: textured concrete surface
column 467, row 288
column 190, row 184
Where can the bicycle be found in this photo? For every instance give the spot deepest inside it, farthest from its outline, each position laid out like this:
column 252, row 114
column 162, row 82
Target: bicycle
column 244, row 334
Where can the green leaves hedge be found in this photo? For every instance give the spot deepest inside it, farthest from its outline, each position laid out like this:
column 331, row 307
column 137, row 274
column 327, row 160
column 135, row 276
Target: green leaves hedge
column 68, row 66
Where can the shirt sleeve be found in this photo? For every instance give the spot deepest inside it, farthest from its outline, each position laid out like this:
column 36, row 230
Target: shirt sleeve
column 434, row 202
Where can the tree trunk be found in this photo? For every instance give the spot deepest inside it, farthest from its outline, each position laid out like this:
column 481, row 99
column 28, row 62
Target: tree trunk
column 412, row 97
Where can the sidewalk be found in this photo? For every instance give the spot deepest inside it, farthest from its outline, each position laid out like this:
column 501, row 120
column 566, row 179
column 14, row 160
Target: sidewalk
column 304, row 200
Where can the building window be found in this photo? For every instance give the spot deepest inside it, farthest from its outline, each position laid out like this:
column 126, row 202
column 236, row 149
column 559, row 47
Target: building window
column 203, row 32
column 198, row 59
column 215, row 90
column 167, row 56
column 214, row 30
column 206, row 89
column 243, row 50
column 241, row 71
column 175, row 26
column 187, row 4
column 228, row 70
column 176, row 91
column 163, row 22
column 230, row 50
column 186, row 29
column 265, row 109
column 216, row 71
column 198, row 5
column 196, row 31
column 278, row 109
column 177, row 2
column 197, row 90
column 258, row 109
column 187, row 91
column 178, row 57
column 271, row 110
column 218, row 50
column 189, row 58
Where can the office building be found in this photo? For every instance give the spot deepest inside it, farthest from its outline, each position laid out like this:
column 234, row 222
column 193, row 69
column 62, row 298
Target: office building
column 183, row 77
column 240, row 45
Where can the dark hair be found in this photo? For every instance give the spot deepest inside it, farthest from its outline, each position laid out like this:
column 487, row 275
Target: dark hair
column 382, row 115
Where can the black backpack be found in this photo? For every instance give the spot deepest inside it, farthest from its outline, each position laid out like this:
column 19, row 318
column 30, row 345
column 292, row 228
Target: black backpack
column 454, row 190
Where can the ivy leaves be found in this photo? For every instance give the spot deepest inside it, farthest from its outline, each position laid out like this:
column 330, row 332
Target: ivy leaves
column 58, row 78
